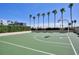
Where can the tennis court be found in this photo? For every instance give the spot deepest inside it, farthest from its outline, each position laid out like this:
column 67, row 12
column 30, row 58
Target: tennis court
column 40, row 44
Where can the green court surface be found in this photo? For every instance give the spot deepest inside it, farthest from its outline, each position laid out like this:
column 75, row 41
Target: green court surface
column 40, row 44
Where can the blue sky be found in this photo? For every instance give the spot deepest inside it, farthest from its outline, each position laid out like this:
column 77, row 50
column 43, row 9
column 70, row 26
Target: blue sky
column 20, row 12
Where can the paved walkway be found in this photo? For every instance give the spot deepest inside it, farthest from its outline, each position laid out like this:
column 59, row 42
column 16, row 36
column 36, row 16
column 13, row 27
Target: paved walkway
column 13, row 33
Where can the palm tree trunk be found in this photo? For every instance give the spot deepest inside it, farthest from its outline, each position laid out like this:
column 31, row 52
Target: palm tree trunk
column 54, row 20
column 43, row 22
column 38, row 22
column 74, row 26
column 48, row 21
column 71, row 17
column 62, row 20
column 34, row 23
column 30, row 22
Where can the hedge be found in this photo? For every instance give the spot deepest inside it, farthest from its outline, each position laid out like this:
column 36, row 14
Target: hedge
column 13, row 28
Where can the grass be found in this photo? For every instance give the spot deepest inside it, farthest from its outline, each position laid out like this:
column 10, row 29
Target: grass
column 37, row 44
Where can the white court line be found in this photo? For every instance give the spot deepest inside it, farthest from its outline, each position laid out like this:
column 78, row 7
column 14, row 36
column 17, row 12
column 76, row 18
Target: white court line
column 51, row 42
column 72, row 45
column 21, row 46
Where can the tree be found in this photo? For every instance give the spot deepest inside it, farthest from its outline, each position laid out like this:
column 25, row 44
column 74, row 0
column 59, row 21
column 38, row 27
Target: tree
column 30, row 16
column 1, row 23
column 43, row 14
column 34, row 20
column 62, row 12
column 48, row 13
column 70, row 6
column 54, row 12
column 38, row 18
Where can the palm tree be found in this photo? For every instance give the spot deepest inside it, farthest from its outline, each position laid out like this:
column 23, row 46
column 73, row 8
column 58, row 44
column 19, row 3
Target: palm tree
column 43, row 14
column 48, row 13
column 69, row 26
column 74, row 23
column 38, row 18
column 62, row 12
column 70, row 6
column 34, row 20
column 30, row 16
column 54, row 12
